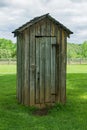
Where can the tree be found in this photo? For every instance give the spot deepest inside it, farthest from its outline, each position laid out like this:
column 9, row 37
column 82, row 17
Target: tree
column 84, row 49
column 73, row 50
column 7, row 49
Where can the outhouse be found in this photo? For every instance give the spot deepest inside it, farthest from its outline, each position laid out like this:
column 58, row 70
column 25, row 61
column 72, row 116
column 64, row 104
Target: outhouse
column 41, row 61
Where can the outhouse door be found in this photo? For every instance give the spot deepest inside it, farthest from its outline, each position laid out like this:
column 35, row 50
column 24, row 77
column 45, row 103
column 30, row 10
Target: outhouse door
column 45, row 85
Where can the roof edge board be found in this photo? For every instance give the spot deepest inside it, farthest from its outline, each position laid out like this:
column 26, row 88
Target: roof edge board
column 61, row 25
column 29, row 23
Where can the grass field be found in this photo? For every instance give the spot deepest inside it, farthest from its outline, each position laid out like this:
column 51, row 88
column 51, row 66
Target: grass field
column 71, row 116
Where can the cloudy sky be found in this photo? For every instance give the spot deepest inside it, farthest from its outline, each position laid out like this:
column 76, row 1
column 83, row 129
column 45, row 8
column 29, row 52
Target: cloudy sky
column 72, row 13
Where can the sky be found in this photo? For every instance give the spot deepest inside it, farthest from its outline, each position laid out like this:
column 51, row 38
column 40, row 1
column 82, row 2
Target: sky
column 71, row 13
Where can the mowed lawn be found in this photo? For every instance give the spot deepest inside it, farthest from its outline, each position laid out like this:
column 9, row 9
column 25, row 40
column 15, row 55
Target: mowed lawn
column 71, row 116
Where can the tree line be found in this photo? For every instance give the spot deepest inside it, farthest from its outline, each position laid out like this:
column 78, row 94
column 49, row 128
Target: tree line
column 77, row 50
column 8, row 49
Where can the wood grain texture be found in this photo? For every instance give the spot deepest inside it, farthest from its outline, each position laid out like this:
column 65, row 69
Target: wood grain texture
column 42, row 73
column 47, row 69
column 32, row 65
column 63, row 94
column 53, row 68
column 37, row 63
column 22, row 65
column 19, row 89
column 58, row 65
column 37, row 92
column 26, row 67
column 48, row 27
column 65, row 61
column 37, row 29
column 43, row 28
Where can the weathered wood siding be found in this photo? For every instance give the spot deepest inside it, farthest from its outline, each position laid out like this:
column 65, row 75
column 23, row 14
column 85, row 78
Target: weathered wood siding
column 26, row 67
column 41, row 64
column 32, row 65
column 63, row 86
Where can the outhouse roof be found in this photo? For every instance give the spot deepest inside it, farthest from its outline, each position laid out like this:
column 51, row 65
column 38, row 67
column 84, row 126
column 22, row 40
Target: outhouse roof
column 37, row 19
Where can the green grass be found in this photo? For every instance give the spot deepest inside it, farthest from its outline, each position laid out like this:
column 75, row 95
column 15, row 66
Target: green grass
column 7, row 69
column 72, row 116
column 77, row 68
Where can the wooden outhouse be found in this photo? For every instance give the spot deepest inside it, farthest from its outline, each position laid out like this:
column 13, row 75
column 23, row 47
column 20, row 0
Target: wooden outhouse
column 41, row 61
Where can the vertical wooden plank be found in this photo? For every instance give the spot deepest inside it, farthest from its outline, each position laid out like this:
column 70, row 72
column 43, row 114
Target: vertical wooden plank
column 37, row 29
column 63, row 69
column 18, row 56
column 53, row 68
column 42, row 73
column 53, row 62
column 56, row 64
column 37, row 59
column 37, row 70
column 53, row 32
column 65, row 62
column 65, row 44
column 22, row 65
column 32, row 65
column 19, row 68
column 26, row 67
column 48, row 27
column 47, row 69
column 43, row 28
column 60, row 61
column 58, row 55
column 42, row 60
column 48, row 62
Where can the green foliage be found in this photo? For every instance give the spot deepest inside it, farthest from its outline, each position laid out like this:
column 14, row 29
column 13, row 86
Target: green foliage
column 84, row 49
column 7, row 49
column 77, row 50
column 77, row 69
column 71, row 116
column 73, row 50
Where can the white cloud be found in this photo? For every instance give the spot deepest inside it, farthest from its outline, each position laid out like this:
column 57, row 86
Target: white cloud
column 77, row 1
column 71, row 13
column 82, row 33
